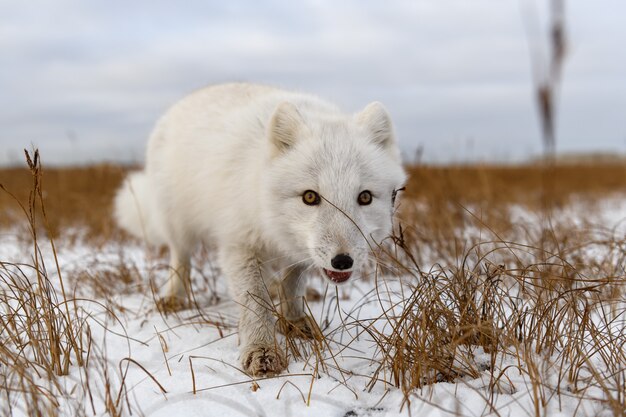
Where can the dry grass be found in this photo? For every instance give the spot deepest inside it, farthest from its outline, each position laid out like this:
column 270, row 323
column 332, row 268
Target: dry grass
column 493, row 185
column 556, row 317
column 500, row 297
column 44, row 332
column 73, row 198
column 80, row 198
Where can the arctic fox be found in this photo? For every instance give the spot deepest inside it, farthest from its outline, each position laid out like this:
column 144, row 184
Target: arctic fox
column 277, row 180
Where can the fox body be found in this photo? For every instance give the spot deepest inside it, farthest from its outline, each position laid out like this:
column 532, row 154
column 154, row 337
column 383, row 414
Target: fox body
column 278, row 181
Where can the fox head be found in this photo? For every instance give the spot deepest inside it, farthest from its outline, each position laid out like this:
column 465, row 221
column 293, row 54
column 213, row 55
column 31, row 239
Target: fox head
column 328, row 191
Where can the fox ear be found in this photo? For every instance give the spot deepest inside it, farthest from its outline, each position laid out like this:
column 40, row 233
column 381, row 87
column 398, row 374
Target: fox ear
column 285, row 126
column 377, row 121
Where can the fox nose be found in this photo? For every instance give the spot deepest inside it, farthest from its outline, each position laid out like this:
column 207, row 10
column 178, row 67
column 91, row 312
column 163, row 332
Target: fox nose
column 342, row 261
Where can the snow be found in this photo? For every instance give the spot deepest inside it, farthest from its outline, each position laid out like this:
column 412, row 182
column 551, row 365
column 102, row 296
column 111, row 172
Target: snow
column 187, row 364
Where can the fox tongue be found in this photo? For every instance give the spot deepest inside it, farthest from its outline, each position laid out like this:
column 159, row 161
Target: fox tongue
column 337, row 276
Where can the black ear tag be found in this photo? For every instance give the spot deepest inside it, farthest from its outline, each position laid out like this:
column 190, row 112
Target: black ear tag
column 394, row 194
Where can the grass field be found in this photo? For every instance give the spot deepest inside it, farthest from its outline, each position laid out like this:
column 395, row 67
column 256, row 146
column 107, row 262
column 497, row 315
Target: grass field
column 82, row 196
column 501, row 292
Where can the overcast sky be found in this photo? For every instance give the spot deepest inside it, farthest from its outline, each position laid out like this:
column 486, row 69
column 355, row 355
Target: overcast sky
column 86, row 80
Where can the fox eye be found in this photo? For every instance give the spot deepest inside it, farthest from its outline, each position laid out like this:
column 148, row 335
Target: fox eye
column 365, row 198
column 311, row 198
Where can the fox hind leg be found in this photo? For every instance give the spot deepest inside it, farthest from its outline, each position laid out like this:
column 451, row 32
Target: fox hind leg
column 177, row 292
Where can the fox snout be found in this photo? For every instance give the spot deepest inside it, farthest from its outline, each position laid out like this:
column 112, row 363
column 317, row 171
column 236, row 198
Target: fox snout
column 342, row 261
column 340, row 247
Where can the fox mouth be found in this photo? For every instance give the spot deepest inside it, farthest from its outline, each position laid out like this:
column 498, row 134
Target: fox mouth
column 336, row 276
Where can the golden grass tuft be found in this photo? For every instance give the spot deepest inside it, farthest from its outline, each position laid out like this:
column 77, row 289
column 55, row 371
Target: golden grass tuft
column 44, row 332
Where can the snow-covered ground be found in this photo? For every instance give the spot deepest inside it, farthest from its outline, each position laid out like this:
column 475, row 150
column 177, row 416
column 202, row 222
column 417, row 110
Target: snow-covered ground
column 186, row 364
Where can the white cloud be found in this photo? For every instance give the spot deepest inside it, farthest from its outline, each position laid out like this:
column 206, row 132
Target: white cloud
column 446, row 69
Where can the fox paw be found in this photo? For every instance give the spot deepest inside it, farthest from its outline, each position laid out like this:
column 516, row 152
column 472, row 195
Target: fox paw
column 171, row 304
column 303, row 327
column 263, row 360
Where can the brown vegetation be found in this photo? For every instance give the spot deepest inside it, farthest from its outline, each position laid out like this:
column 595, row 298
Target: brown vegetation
column 73, row 197
column 82, row 196
column 473, row 281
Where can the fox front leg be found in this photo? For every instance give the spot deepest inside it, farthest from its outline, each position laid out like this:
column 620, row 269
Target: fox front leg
column 294, row 320
column 260, row 354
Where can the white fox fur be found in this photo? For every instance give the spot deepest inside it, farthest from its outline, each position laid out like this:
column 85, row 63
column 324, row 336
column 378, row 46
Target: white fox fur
column 230, row 164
